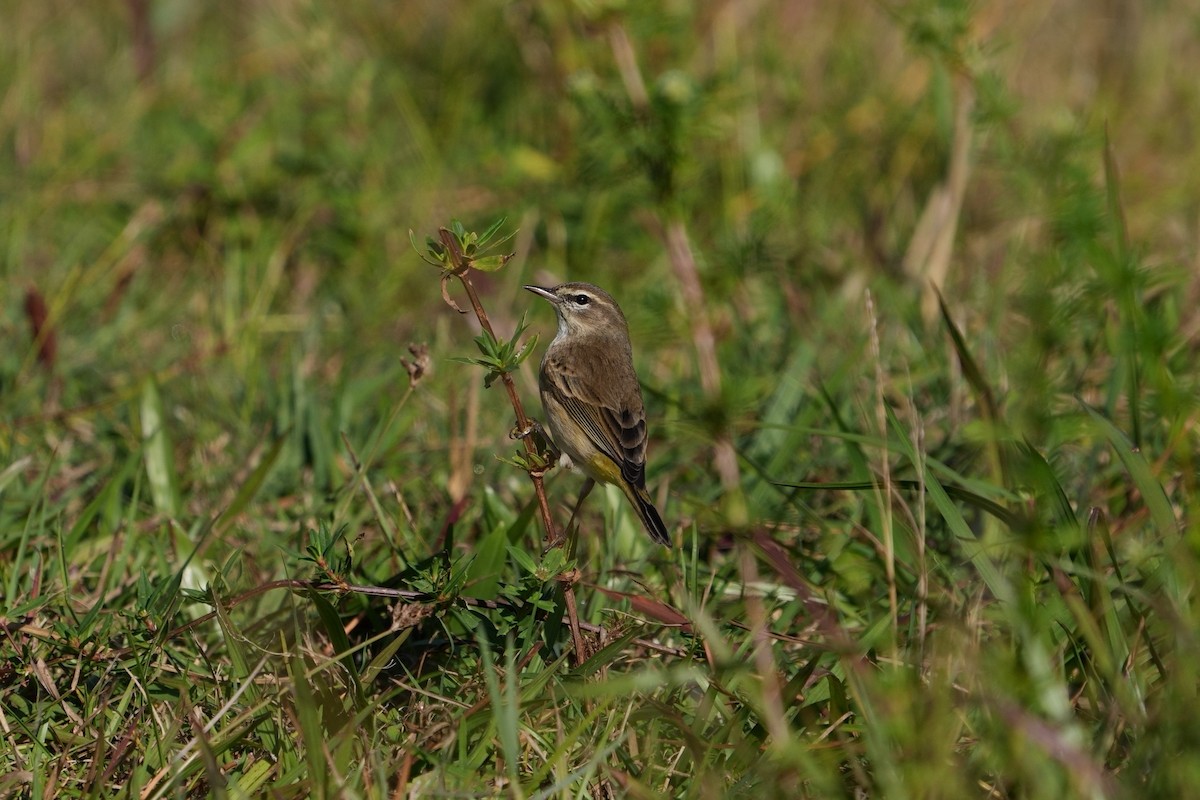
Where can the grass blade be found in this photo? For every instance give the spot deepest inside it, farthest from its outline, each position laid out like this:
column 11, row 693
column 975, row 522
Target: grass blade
column 157, row 452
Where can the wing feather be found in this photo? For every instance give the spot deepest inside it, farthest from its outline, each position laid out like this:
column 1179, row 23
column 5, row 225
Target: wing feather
column 610, row 411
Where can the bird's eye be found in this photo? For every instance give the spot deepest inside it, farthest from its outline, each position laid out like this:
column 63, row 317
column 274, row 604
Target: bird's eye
column 582, row 299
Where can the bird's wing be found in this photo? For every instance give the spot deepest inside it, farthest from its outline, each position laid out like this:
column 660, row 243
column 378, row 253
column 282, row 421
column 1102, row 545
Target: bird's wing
column 614, row 421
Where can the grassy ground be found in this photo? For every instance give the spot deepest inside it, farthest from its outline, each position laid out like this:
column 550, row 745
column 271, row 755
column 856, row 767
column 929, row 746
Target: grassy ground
column 921, row 551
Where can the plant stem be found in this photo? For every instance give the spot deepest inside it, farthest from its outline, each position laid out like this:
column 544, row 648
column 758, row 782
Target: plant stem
column 462, row 269
column 522, row 418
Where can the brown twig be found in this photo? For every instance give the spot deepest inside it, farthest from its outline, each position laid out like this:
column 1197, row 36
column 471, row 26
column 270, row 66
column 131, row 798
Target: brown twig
column 931, row 247
column 144, row 50
column 683, row 261
column 461, row 268
column 45, row 338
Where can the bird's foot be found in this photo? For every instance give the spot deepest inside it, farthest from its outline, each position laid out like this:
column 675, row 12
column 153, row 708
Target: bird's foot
column 533, row 427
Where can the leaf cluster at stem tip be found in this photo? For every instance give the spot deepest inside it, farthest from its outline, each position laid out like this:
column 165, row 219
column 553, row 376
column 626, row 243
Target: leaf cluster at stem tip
column 470, row 245
column 501, row 356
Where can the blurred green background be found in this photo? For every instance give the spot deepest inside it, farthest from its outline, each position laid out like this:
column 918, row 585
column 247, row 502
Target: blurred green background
column 961, row 543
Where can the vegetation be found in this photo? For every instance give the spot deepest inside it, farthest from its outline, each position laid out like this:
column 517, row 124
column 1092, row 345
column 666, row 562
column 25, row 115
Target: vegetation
column 264, row 533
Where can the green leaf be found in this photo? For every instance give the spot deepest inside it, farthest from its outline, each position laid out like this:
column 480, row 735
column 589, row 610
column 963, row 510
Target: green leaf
column 237, row 646
column 308, row 714
column 523, row 559
column 157, row 452
column 526, row 350
column 1139, row 470
column 968, row 542
column 432, row 253
column 488, row 345
column 1046, row 484
column 252, row 780
column 505, row 703
column 384, row 657
column 491, row 263
column 554, row 563
column 970, row 369
column 483, row 576
column 487, row 235
column 252, row 484
column 12, row 471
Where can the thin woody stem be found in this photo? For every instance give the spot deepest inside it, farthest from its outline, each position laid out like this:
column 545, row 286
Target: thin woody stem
column 462, row 269
column 522, row 418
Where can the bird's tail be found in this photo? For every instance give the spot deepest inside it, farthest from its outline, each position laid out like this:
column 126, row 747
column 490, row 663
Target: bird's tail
column 648, row 514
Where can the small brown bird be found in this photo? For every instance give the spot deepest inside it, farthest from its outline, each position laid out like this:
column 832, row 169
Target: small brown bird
column 592, row 398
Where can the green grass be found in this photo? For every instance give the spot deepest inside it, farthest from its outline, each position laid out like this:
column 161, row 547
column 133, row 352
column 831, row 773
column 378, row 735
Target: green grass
column 922, row 551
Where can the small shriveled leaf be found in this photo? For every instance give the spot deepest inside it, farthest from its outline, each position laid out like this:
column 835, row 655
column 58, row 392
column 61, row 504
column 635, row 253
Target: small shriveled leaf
column 658, row 611
column 446, row 294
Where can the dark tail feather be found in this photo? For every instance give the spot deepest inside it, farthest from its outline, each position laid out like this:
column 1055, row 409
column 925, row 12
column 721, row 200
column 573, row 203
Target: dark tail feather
column 651, row 521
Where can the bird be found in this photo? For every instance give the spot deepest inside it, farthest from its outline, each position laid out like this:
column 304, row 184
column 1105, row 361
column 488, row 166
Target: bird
column 592, row 399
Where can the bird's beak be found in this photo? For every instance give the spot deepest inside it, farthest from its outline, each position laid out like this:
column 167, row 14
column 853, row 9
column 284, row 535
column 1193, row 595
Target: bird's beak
column 545, row 294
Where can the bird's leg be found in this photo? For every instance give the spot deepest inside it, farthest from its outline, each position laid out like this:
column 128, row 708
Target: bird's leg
column 566, row 532
column 588, row 485
column 533, row 427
